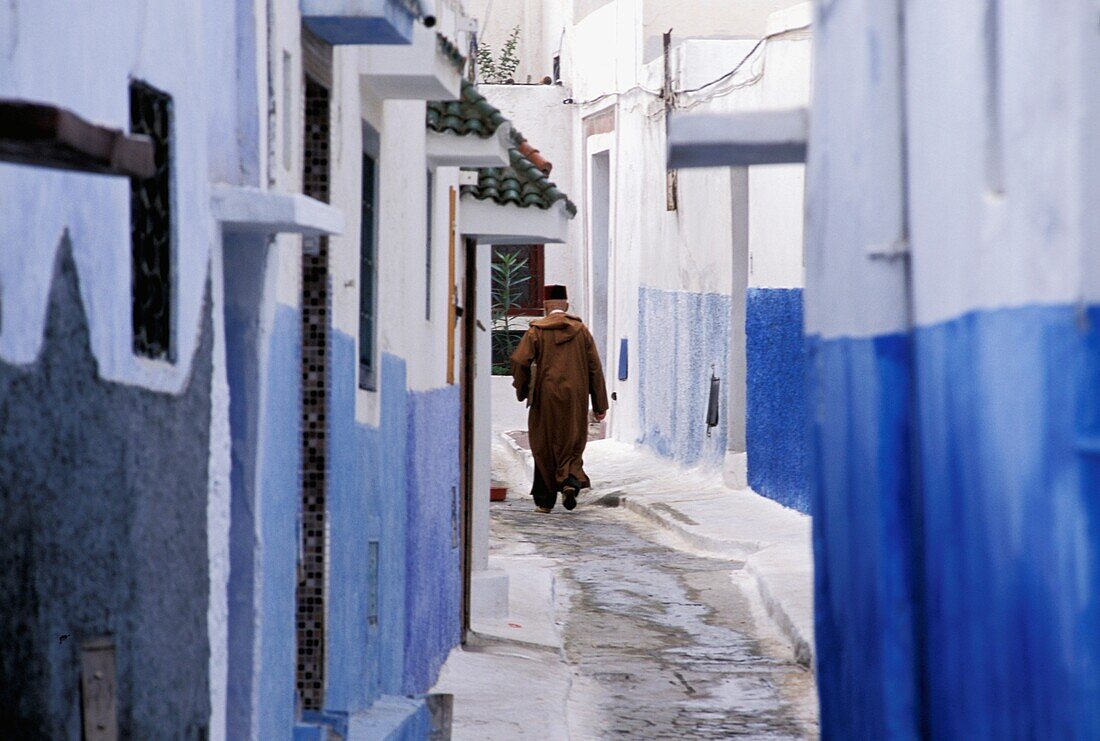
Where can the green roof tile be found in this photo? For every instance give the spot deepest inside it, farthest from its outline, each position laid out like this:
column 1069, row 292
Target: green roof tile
column 472, row 114
column 521, row 184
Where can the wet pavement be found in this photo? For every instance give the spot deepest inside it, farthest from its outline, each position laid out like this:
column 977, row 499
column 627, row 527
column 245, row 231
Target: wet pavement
column 661, row 643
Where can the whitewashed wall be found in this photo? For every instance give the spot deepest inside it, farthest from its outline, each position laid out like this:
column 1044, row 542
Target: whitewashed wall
column 163, row 45
column 539, row 113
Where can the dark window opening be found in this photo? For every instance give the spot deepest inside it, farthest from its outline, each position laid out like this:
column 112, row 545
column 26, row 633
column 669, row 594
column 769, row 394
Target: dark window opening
column 516, row 292
column 367, row 279
column 557, row 68
column 151, row 227
column 526, row 296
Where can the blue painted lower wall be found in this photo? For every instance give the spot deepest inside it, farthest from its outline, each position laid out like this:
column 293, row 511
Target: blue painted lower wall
column 777, row 407
column 864, row 553
column 391, row 485
column 1008, row 412
column 682, row 338
column 433, row 557
column 958, row 599
column 278, row 513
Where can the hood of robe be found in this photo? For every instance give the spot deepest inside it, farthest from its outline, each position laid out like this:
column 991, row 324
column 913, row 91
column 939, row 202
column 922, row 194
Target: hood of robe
column 568, row 326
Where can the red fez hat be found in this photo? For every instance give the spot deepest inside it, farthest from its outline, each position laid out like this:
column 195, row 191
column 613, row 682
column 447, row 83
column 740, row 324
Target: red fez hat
column 554, row 293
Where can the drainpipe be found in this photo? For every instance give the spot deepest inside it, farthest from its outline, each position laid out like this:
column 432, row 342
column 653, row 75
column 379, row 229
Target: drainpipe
column 427, row 13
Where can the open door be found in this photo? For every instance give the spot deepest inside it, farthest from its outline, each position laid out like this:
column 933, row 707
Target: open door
column 468, row 325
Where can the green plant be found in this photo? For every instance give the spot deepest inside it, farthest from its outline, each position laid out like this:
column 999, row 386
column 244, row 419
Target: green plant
column 497, row 71
column 510, row 274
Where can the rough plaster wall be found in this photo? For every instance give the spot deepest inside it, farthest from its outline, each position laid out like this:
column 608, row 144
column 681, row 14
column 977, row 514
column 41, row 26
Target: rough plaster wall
column 433, row 555
column 106, row 516
column 777, row 414
column 681, row 336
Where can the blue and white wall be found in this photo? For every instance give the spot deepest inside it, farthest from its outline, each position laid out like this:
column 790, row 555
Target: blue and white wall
column 71, row 232
column 394, row 450
column 687, row 285
column 955, row 403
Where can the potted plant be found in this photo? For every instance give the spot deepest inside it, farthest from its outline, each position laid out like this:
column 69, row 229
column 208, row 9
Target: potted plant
column 498, row 492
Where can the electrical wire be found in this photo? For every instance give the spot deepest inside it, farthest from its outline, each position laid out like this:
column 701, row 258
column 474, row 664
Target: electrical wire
column 716, row 81
column 628, row 91
column 737, row 68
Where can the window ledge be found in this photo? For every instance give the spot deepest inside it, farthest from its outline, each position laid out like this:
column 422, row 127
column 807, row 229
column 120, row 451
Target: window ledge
column 246, row 209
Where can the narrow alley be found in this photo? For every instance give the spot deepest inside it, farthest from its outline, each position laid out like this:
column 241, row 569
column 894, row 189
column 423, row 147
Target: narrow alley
column 401, row 370
column 645, row 636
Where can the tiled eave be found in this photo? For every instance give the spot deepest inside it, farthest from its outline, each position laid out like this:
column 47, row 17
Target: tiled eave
column 447, row 149
column 491, row 223
column 737, row 139
column 256, row 211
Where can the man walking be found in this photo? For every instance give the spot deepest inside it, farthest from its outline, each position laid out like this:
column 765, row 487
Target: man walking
column 557, row 370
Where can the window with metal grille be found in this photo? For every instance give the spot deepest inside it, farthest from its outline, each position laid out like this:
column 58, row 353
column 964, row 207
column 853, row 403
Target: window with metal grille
column 151, row 227
column 367, row 279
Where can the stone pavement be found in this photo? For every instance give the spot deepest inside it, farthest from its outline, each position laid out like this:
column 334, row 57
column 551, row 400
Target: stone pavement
column 622, row 628
column 703, row 514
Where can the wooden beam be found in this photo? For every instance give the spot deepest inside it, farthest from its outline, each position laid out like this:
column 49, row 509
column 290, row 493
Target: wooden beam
column 47, row 136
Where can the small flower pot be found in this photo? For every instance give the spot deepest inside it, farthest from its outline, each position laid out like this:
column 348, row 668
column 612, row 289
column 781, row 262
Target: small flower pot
column 498, row 493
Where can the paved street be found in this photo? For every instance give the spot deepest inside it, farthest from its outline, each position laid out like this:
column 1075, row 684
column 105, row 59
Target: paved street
column 660, row 643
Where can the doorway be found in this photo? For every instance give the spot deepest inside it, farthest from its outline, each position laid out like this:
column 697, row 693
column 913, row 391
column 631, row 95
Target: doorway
column 468, row 376
column 599, row 244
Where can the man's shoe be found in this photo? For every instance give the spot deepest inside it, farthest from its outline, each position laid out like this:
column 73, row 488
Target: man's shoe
column 569, row 495
column 544, row 510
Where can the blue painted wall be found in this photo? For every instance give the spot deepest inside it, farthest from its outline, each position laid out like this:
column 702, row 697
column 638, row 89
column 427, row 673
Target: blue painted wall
column 682, row 336
column 390, row 484
column 278, row 514
column 958, row 600
column 104, row 490
column 366, row 503
column 433, row 556
column 865, row 573
column 777, row 406
column 264, row 422
column 1008, row 417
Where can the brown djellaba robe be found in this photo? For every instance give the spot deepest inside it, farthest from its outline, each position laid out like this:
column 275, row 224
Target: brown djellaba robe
column 556, row 367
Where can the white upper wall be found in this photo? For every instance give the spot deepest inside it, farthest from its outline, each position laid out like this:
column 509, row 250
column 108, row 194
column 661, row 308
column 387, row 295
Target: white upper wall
column 704, row 19
column 83, row 60
column 854, row 174
column 993, row 156
column 537, row 111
